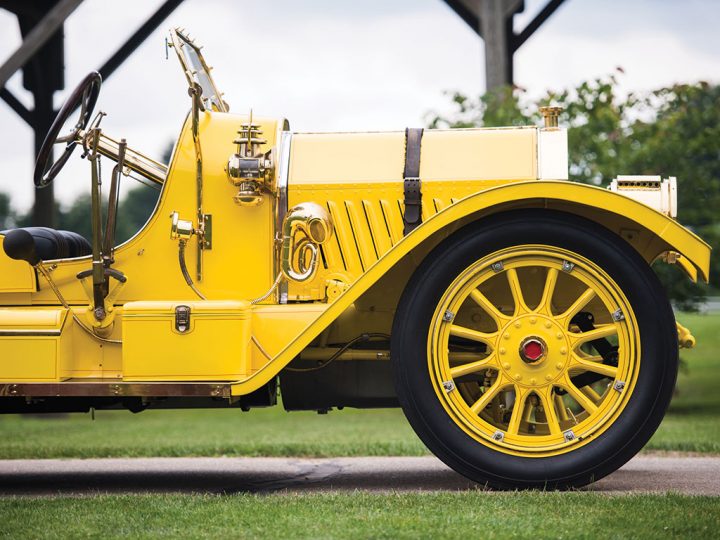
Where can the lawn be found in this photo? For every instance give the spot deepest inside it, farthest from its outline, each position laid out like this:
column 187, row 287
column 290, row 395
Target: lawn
column 362, row 515
column 693, row 424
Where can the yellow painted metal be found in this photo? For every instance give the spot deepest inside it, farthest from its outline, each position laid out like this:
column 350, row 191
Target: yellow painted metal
column 271, row 325
column 538, row 305
column 17, row 276
column 508, row 154
column 214, row 345
column 685, row 338
column 36, row 344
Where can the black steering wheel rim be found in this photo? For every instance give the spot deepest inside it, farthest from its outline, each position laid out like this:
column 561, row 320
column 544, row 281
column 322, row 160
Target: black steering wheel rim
column 84, row 96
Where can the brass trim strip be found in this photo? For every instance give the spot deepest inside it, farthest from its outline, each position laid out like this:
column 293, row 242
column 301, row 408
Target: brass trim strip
column 281, row 207
column 115, row 389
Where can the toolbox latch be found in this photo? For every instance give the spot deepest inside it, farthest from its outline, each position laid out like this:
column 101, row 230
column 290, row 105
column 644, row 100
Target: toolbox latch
column 182, row 319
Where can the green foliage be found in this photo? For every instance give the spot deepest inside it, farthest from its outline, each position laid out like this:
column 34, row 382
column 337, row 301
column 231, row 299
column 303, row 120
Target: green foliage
column 673, row 131
column 7, row 216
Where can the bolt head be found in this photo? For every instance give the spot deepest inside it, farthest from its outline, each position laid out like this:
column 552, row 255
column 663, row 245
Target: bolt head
column 559, row 366
column 548, row 377
column 502, row 350
column 563, row 350
column 533, row 320
column 517, row 377
column 506, row 365
column 548, row 324
column 506, row 335
column 518, row 324
column 559, row 335
column 533, row 381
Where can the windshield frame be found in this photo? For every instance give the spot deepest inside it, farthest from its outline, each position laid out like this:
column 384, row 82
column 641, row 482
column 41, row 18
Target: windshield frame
column 197, row 72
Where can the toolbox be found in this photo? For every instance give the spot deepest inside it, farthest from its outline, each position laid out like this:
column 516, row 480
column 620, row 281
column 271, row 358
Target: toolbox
column 200, row 340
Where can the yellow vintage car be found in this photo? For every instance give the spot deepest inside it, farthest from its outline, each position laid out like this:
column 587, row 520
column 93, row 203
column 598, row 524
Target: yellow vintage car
column 511, row 313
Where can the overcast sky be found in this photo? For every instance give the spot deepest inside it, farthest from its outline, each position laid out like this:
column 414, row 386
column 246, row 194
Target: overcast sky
column 345, row 65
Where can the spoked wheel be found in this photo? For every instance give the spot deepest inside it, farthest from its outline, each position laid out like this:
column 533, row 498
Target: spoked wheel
column 534, row 350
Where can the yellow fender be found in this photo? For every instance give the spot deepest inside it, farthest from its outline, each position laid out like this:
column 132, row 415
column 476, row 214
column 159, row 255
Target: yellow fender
column 646, row 229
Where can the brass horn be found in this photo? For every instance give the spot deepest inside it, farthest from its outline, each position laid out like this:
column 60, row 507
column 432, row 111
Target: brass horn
column 313, row 223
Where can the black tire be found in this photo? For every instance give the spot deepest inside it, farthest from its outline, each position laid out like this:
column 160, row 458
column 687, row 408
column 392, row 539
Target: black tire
column 612, row 448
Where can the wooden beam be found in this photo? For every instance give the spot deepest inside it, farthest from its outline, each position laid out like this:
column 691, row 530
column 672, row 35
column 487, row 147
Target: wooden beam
column 468, row 12
column 518, row 39
column 16, row 106
column 37, row 38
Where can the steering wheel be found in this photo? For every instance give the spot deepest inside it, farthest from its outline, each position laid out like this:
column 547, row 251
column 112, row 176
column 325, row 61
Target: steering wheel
column 84, row 97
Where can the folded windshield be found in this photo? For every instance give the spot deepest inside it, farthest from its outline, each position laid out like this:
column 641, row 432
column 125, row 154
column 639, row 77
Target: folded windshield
column 196, row 70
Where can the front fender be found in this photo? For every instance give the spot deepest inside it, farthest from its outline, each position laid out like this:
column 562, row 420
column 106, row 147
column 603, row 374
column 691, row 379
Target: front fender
column 648, row 231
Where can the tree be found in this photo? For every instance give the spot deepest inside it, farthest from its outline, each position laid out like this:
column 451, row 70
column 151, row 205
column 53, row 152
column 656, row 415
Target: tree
column 673, row 131
column 7, row 216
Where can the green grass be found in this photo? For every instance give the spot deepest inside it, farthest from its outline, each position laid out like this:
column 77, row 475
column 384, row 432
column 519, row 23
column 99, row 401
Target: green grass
column 692, row 424
column 361, row 515
column 261, row 432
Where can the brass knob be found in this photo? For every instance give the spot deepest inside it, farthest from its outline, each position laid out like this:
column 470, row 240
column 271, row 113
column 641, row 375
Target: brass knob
column 550, row 115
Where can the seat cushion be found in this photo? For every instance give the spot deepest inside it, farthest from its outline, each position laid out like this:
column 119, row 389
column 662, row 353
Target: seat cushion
column 53, row 244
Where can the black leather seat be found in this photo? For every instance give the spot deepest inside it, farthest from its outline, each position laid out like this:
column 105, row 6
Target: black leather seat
column 53, row 244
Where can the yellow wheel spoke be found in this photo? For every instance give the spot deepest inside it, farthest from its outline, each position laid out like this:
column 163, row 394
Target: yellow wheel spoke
column 481, row 300
column 584, row 401
column 516, row 290
column 600, row 332
column 518, row 411
column 548, row 404
column 487, row 397
column 545, row 301
column 473, row 335
column 582, row 301
column 592, row 394
column 472, row 367
column 595, row 367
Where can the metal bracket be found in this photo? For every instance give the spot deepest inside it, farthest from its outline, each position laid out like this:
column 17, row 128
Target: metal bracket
column 567, row 266
column 618, row 315
column 182, row 319
column 497, row 267
column 448, row 316
column 449, row 386
column 207, row 231
column 498, row 436
column 569, row 435
column 619, row 386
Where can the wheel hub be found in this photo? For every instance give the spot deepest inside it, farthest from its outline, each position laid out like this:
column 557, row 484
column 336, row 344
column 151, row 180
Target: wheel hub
column 533, row 350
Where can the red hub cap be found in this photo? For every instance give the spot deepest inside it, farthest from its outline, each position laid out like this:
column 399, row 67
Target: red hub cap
column 532, row 350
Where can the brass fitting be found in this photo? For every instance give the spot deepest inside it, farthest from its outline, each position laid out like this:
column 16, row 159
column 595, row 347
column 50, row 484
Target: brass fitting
column 299, row 256
column 551, row 115
column 248, row 168
column 180, row 229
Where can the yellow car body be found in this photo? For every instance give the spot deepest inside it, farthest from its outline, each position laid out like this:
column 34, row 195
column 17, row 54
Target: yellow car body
column 161, row 341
